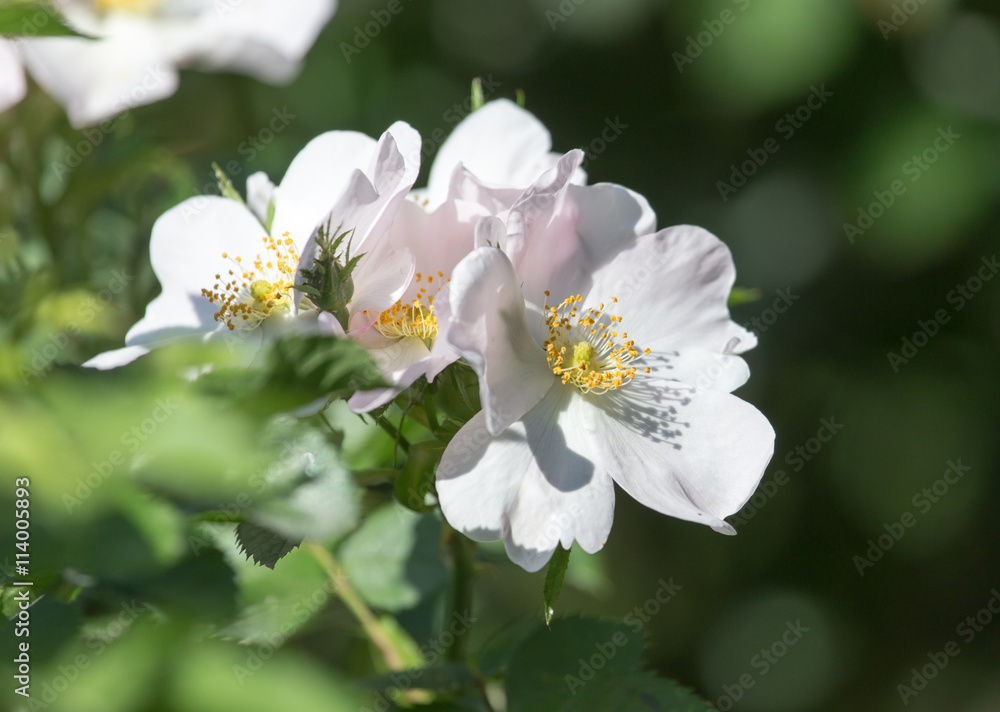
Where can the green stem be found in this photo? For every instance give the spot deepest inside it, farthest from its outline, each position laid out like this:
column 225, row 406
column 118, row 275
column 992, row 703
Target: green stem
column 463, row 573
column 394, row 659
column 399, row 440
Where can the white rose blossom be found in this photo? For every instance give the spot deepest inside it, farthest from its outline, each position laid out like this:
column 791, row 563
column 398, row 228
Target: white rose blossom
column 223, row 274
column 605, row 354
column 139, row 45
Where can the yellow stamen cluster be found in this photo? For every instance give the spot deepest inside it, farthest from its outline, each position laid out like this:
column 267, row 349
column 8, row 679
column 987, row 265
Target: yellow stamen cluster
column 415, row 317
column 585, row 348
column 245, row 296
column 136, row 6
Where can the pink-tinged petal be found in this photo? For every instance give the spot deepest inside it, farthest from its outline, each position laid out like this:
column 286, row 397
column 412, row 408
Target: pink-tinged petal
column 186, row 253
column 535, row 484
column 500, row 143
column 694, row 455
column 116, row 358
column 489, row 329
column 542, row 241
column 672, row 288
column 12, row 82
column 380, row 280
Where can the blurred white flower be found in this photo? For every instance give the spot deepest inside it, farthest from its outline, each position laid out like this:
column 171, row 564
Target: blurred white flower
column 12, row 82
column 225, row 275
column 141, row 44
column 605, row 354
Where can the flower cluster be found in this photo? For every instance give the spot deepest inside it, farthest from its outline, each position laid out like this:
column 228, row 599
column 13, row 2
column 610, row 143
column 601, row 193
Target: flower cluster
column 604, row 347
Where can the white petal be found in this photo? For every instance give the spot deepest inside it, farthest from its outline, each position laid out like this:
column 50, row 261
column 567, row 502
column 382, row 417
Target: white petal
column 489, row 329
column 673, row 289
column 186, row 253
column 534, row 484
column 12, row 83
column 316, row 179
column 116, row 358
column 491, row 232
column 692, row 455
column 701, row 369
column 501, row 144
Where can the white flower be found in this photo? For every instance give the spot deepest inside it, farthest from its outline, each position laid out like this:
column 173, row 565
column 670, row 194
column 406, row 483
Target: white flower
column 141, row 44
column 12, row 82
column 222, row 273
column 606, row 355
column 481, row 170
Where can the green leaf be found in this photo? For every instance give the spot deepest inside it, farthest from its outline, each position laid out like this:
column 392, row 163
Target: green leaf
column 325, row 503
column 549, row 666
column 302, row 368
column 743, row 295
column 477, row 94
column 34, row 19
column 264, row 545
column 634, row 692
column 392, row 560
column 554, row 576
column 496, row 654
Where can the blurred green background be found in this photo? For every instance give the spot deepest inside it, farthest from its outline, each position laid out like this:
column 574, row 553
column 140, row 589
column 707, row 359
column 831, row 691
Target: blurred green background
column 780, row 125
